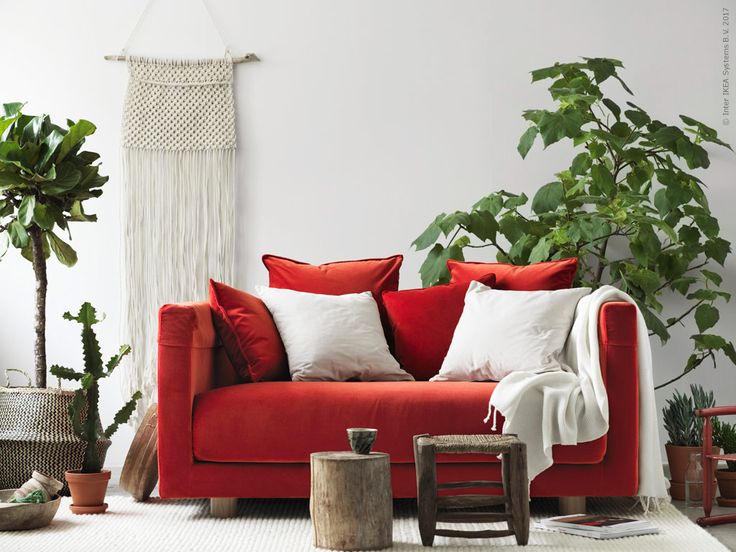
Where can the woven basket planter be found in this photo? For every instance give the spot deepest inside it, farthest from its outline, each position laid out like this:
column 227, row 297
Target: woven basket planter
column 36, row 434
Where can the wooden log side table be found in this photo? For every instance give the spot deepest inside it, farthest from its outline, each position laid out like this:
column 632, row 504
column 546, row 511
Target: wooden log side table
column 351, row 502
column 433, row 508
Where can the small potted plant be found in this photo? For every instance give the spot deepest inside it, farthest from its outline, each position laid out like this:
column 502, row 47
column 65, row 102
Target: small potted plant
column 685, row 432
column 89, row 483
column 724, row 435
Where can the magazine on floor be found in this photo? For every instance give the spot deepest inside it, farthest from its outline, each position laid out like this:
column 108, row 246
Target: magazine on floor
column 597, row 527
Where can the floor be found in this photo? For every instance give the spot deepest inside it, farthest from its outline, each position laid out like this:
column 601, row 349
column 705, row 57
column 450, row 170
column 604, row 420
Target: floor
column 724, row 533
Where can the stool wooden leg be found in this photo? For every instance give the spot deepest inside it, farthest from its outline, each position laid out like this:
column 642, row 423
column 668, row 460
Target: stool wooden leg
column 424, row 461
column 518, row 492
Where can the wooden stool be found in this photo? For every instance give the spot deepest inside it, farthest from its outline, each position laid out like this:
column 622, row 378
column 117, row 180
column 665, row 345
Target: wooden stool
column 433, row 508
column 351, row 501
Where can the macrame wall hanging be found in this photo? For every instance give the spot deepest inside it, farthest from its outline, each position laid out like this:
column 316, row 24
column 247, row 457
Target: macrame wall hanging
column 178, row 147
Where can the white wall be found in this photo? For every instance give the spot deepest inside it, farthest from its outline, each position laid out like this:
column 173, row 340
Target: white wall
column 364, row 120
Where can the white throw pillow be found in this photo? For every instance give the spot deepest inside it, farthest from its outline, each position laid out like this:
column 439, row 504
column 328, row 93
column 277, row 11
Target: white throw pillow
column 502, row 331
column 332, row 337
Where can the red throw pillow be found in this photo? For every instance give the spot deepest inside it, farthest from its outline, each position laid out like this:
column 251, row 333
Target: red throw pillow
column 540, row 276
column 423, row 322
column 338, row 278
column 248, row 333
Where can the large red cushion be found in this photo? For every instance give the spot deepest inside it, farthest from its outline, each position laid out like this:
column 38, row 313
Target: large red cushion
column 539, row 276
column 337, row 278
column 423, row 322
column 248, row 333
column 285, row 422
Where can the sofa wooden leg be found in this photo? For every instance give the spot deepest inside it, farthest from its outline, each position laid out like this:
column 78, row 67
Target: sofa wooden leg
column 572, row 505
column 223, row 507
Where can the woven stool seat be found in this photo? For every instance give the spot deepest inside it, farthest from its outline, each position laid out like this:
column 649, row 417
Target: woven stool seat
column 467, row 444
column 433, row 508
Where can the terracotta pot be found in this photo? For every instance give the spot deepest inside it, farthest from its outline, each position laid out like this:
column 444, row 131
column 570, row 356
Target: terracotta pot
column 726, row 487
column 678, row 458
column 88, row 491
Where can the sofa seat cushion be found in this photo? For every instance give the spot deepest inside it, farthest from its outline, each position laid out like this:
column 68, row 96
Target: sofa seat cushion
column 285, row 421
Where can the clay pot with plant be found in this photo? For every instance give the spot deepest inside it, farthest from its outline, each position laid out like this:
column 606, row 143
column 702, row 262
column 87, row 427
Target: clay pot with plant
column 724, row 435
column 685, row 433
column 89, row 483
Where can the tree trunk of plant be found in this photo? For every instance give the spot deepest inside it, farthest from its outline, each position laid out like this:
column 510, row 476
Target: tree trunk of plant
column 39, row 268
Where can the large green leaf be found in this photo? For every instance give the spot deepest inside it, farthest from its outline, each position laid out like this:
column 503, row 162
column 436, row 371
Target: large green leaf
column 67, row 177
column 77, row 132
column 25, row 210
column 527, row 141
column 63, row 251
column 430, row 234
column 706, row 316
column 42, row 217
column 603, row 178
column 51, row 144
column 548, row 198
column 18, row 235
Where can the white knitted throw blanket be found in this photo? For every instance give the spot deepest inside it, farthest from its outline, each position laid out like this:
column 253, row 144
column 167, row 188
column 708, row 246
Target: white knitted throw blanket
column 179, row 169
column 570, row 406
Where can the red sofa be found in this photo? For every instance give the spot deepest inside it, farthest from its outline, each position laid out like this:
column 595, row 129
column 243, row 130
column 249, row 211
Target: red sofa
column 218, row 438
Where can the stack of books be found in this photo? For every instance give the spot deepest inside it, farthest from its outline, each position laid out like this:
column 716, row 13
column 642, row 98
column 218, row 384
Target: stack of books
column 597, row 527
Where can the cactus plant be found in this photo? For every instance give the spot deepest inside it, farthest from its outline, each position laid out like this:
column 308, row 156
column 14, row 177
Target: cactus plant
column 84, row 412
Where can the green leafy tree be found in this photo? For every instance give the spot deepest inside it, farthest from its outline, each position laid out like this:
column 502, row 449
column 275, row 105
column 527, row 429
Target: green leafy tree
column 44, row 180
column 627, row 207
column 84, row 410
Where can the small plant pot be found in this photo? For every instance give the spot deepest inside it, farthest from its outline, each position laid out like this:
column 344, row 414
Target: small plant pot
column 726, row 488
column 88, row 491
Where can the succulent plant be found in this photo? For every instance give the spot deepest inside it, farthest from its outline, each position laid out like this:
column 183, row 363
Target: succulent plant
column 84, row 410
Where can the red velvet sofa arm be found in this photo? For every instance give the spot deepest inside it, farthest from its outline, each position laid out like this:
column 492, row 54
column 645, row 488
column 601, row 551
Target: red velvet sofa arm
column 186, row 367
column 617, row 333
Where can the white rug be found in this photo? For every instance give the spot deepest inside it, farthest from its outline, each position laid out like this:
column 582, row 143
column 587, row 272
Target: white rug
column 283, row 525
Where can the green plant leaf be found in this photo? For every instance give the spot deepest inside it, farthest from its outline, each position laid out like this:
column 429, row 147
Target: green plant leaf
column 613, row 107
column 548, row 198
column 67, row 177
column 123, row 415
column 115, row 360
column 77, row 133
column 42, row 217
column 62, row 372
column 708, row 341
column 527, row 141
column 603, row 178
column 646, row 279
column 25, row 210
column 580, row 164
column 638, row 118
column 540, row 252
column 712, row 276
column 717, row 249
column 63, row 251
column 706, row 316
column 18, row 235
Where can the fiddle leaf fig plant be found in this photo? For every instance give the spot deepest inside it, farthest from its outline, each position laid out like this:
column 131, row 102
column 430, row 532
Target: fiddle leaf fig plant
column 45, row 178
column 631, row 206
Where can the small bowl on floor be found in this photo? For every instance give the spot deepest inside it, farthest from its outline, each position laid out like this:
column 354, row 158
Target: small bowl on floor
column 20, row 517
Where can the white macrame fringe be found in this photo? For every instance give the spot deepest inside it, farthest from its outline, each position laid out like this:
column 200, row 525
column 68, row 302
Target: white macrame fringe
column 178, row 232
